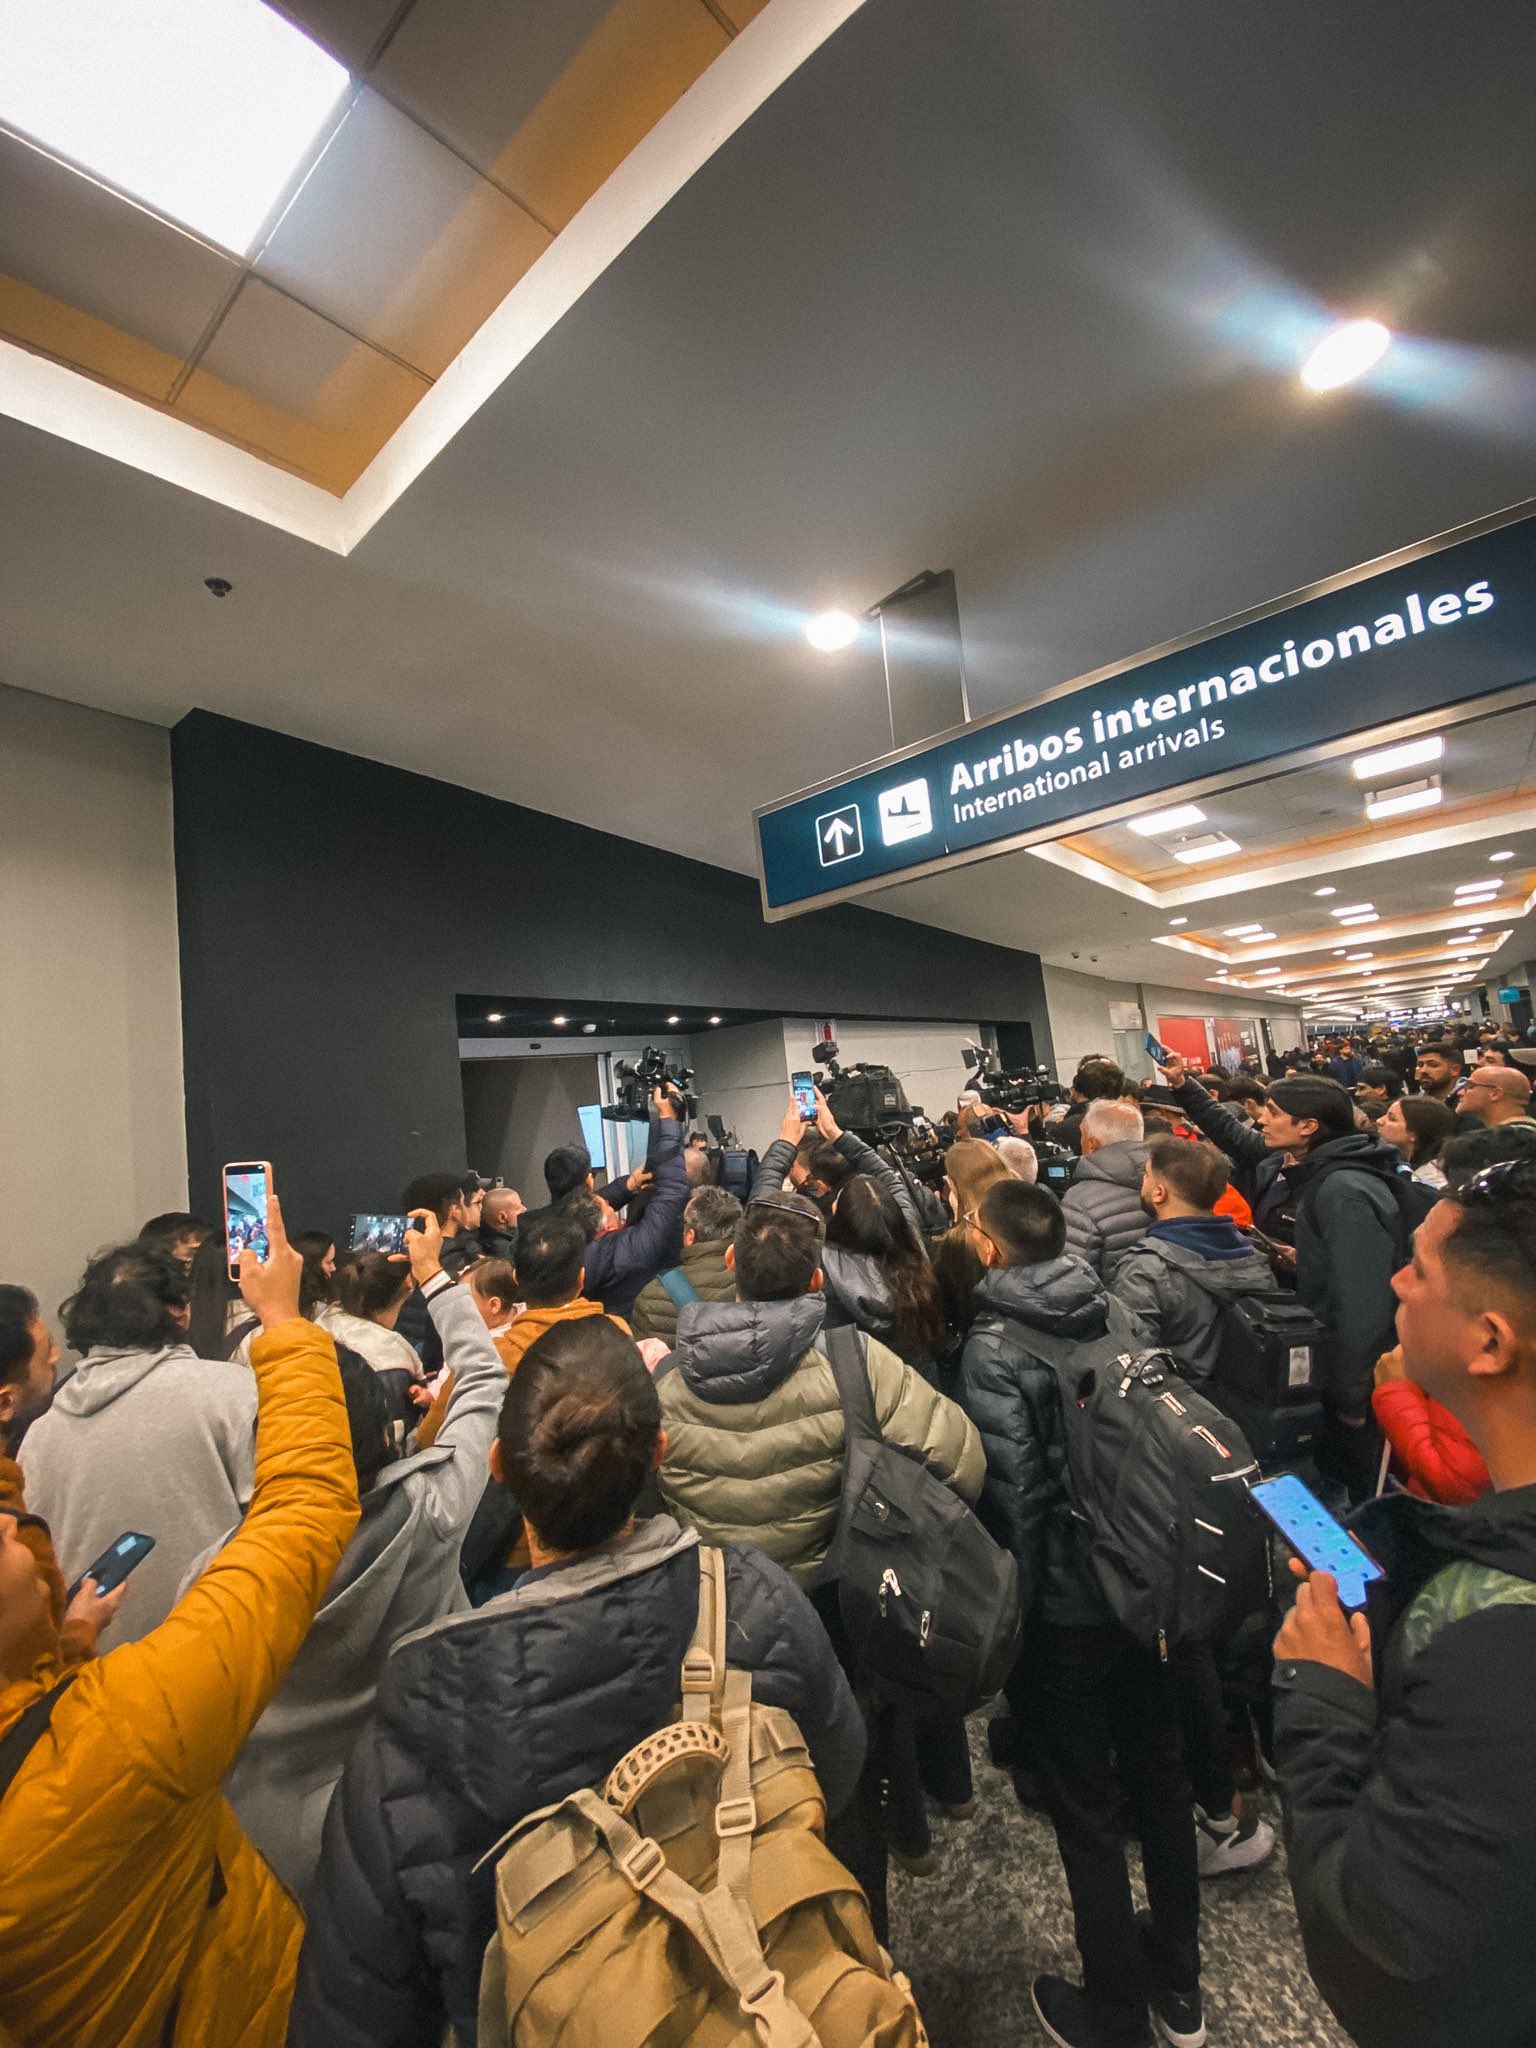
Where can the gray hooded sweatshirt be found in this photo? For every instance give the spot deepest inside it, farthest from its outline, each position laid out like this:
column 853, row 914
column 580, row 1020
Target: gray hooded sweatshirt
column 399, row 1572
column 162, row 1442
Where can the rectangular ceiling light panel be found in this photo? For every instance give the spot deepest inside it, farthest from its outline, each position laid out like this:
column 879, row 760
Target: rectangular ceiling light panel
column 1214, row 846
column 1407, row 796
column 1412, row 754
column 1167, row 821
column 200, row 109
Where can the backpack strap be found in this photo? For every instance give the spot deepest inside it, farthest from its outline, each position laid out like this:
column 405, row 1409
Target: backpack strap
column 704, row 1664
column 1396, row 1185
column 679, row 1289
column 713, row 1920
column 24, row 1733
column 845, row 1352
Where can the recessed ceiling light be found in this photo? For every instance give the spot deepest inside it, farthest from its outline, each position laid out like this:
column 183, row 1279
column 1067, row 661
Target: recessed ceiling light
column 1412, row 754
column 1268, row 974
column 1329, row 891
column 1340, row 952
column 1345, row 354
column 1360, row 956
column 1260, row 939
column 493, row 1016
column 1407, row 796
column 714, row 1020
column 559, row 1020
column 1366, row 917
column 1351, row 909
column 1215, row 846
column 201, row 109
column 1501, row 856
column 832, row 631
column 1241, row 931
column 1178, row 920
column 1167, row 821
column 674, row 1020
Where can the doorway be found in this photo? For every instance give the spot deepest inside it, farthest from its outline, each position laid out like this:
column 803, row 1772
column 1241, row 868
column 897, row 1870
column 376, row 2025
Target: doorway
column 517, row 1111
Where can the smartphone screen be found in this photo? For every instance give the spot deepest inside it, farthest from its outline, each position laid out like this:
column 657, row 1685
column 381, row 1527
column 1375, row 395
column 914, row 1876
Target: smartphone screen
column 1316, row 1537
column 114, row 1565
column 804, row 1086
column 379, row 1233
column 1157, row 1052
column 246, row 1186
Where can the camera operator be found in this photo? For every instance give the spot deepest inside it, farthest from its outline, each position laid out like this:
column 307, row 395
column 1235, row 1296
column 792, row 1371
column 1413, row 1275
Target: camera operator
column 621, row 1257
column 819, row 1162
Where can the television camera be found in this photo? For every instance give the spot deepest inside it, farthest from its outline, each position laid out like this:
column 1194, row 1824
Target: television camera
column 869, row 1100
column 1012, row 1093
column 634, row 1082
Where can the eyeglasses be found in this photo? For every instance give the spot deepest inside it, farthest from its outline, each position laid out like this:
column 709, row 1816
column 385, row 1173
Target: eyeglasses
column 813, row 1222
column 1507, row 1180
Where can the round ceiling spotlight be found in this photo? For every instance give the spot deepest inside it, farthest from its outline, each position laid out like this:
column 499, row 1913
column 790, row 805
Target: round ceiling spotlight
column 1501, row 856
column 1325, row 892
column 674, row 1020
column 493, row 1016
column 830, row 632
column 1344, row 354
column 559, row 1020
column 1178, row 920
column 714, row 1020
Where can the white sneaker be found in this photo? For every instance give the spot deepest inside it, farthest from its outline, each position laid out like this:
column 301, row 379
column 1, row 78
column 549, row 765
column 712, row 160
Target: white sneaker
column 1238, row 1841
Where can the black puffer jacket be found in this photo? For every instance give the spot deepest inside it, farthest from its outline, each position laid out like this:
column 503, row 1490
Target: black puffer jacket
column 1012, row 1397
column 1347, row 1247
column 483, row 1718
column 1103, row 1205
column 1408, row 1808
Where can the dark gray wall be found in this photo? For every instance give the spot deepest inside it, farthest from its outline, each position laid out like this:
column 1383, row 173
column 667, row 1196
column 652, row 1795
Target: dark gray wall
column 332, row 909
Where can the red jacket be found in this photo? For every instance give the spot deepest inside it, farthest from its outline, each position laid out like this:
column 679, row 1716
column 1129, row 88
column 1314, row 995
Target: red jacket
column 1441, row 1460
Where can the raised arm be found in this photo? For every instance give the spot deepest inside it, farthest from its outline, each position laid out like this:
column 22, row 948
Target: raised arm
column 479, row 1384
column 186, row 1695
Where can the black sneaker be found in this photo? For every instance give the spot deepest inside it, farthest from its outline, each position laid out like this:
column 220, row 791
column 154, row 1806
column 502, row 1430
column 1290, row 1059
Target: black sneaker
column 1063, row 2012
column 1178, row 2016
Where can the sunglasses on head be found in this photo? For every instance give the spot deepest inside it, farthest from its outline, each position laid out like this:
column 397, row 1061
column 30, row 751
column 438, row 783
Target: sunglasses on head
column 812, row 1222
column 1507, row 1180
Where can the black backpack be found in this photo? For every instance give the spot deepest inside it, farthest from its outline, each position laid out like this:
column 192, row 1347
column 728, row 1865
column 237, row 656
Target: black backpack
column 738, row 1171
column 929, row 1603
column 1414, row 1200
column 1158, row 1479
column 1265, row 1379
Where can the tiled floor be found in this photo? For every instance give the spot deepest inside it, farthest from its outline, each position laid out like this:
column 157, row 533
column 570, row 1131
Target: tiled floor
column 995, row 1913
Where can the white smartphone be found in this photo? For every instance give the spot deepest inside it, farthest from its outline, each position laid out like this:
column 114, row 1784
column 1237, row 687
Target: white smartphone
column 247, row 1184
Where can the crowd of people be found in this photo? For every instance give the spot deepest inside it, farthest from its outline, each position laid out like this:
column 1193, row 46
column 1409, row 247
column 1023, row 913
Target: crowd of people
column 439, row 1535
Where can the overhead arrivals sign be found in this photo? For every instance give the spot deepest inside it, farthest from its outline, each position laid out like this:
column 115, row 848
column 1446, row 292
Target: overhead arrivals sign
column 1436, row 625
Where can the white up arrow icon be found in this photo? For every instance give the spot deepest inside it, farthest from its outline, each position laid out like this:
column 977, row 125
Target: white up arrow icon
column 839, row 835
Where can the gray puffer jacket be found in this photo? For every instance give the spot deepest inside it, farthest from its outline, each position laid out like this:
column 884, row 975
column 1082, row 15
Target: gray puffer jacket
column 1175, row 1279
column 755, row 1430
column 1103, row 1206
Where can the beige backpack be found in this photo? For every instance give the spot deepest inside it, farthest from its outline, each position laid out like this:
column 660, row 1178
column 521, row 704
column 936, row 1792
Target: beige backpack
column 694, row 1899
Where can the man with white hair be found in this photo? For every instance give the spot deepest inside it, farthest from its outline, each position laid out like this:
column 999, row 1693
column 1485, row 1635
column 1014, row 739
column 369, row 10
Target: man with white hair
column 1020, row 1158
column 1103, row 1205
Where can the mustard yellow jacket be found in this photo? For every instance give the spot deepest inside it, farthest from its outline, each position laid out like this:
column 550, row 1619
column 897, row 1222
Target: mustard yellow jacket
column 133, row 1910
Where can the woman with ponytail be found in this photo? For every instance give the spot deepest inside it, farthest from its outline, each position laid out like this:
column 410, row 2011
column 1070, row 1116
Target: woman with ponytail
column 485, row 1717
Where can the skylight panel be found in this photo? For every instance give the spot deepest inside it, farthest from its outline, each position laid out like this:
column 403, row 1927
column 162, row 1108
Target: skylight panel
column 202, row 110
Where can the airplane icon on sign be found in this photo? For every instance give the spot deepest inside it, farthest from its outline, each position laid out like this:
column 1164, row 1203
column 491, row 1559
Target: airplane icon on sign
column 839, row 835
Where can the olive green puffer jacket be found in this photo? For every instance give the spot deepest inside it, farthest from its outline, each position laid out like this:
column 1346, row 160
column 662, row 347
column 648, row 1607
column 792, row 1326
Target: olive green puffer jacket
column 755, row 1432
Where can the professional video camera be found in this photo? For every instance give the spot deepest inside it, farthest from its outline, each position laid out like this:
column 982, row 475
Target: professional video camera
column 1013, row 1093
column 869, row 1100
column 635, row 1081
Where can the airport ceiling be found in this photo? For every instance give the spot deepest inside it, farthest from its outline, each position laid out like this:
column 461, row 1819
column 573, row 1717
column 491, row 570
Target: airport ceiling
column 1014, row 288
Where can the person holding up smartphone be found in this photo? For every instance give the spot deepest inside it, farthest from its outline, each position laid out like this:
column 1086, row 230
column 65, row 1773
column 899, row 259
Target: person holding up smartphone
column 135, row 1911
column 1404, row 1746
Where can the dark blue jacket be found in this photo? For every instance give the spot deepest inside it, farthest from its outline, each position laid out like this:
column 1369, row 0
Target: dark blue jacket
column 484, row 1717
column 622, row 1262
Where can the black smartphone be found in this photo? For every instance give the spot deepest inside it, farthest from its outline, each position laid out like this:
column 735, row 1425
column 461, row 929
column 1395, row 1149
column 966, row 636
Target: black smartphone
column 1156, row 1051
column 247, row 1184
column 1324, row 1544
column 804, row 1086
column 381, row 1233
column 114, row 1565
